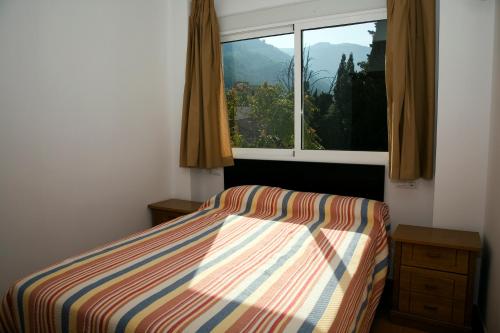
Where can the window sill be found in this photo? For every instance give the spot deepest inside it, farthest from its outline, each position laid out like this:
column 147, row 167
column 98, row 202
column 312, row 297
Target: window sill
column 331, row 156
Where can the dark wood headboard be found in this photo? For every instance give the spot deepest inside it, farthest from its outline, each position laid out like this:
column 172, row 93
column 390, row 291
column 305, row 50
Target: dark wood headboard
column 357, row 180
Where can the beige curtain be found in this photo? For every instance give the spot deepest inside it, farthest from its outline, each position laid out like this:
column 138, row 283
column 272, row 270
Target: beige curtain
column 205, row 139
column 410, row 80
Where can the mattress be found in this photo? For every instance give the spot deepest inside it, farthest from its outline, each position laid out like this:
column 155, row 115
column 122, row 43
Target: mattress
column 252, row 259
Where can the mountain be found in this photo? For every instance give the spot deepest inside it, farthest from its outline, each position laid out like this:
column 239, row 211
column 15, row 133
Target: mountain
column 325, row 57
column 254, row 61
column 289, row 51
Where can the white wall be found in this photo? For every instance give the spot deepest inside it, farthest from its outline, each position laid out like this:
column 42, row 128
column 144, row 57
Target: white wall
column 491, row 277
column 464, row 99
column 178, row 178
column 82, row 123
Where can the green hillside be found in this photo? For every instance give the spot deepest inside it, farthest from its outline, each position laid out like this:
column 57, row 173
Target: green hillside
column 252, row 61
column 256, row 62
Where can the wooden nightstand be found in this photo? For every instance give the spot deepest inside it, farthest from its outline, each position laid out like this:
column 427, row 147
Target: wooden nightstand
column 170, row 209
column 434, row 272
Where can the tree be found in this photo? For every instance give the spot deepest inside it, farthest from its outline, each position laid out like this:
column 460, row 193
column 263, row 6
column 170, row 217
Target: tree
column 339, row 116
column 369, row 129
column 271, row 107
column 350, row 116
column 286, row 76
column 311, row 114
column 236, row 137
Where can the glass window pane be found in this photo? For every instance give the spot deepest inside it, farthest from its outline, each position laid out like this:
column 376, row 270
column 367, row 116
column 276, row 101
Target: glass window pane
column 258, row 82
column 343, row 82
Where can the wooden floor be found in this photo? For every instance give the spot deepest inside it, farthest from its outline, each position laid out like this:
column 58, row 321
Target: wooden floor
column 382, row 324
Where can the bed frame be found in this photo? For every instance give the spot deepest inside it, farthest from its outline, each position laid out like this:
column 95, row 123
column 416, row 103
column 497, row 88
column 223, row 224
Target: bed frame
column 357, row 180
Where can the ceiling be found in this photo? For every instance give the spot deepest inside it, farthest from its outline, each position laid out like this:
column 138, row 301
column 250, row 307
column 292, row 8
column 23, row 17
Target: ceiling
column 231, row 7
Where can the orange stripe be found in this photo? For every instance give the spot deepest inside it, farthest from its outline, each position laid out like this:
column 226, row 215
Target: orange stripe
column 288, row 292
column 338, row 240
column 236, row 274
column 48, row 291
column 124, row 290
column 282, row 299
column 214, row 279
column 237, row 229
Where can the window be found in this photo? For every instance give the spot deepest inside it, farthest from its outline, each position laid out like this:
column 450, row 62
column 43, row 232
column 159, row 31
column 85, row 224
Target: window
column 314, row 92
column 258, row 81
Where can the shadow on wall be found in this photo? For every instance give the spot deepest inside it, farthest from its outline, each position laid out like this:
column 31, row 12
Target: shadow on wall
column 484, row 280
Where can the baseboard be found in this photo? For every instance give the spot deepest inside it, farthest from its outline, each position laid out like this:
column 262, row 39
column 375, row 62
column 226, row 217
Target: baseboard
column 477, row 320
column 427, row 324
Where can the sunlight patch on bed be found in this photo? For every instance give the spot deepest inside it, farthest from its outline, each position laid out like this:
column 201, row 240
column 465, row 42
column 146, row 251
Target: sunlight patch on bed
column 327, row 276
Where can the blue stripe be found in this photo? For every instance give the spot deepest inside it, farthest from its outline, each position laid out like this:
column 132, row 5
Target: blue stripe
column 378, row 267
column 320, row 306
column 71, row 300
column 34, row 279
column 259, row 281
column 381, row 265
column 363, row 306
column 122, row 324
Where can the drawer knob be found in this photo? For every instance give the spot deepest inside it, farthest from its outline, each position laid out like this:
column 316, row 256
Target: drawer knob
column 430, row 307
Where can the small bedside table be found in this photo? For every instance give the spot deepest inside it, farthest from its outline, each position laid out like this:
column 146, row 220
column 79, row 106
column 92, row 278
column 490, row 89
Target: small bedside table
column 434, row 271
column 170, row 209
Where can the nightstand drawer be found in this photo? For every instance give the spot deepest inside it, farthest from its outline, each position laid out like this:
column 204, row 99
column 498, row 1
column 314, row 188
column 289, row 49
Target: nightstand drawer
column 433, row 283
column 439, row 258
column 434, row 273
column 442, row 309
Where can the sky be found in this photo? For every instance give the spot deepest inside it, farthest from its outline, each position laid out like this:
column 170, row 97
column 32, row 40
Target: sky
column 355, row 34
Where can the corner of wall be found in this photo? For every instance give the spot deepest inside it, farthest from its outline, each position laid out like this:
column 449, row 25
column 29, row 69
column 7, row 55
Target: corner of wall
column 489, row 293
column 179, row 179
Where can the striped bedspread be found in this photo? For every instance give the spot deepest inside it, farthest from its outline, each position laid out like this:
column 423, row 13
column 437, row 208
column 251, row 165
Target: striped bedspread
column 252, row 259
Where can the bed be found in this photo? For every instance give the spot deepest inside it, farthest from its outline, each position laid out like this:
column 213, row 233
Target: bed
column 252, row 259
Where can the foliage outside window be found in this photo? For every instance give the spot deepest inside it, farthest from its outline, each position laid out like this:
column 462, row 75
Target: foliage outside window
column 343, row 99
column 258, row 80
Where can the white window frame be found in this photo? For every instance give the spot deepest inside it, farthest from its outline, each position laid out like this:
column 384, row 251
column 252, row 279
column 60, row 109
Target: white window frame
column 297, row 153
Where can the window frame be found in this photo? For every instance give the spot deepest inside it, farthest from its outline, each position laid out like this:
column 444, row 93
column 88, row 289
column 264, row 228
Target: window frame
column 297, row 153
